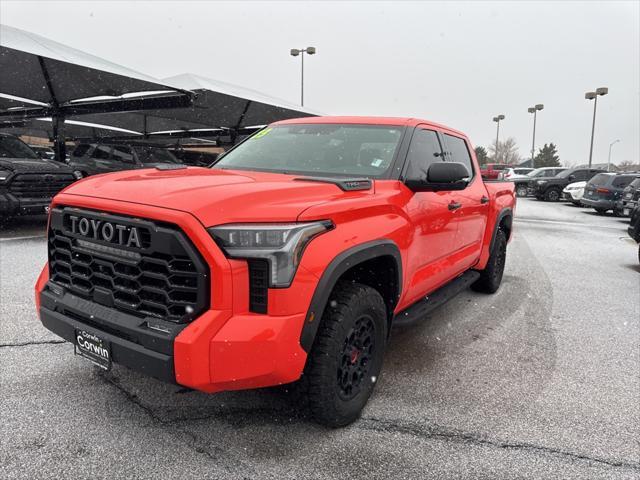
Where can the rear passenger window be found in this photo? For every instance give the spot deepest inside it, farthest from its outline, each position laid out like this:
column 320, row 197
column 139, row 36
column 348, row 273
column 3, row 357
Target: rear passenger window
column 122, row 154
column 458, row 152
column 101, row 152
column 81, row 150
column 423, row 151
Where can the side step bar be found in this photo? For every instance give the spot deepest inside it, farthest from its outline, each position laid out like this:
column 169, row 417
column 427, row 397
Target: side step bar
column 415, row 313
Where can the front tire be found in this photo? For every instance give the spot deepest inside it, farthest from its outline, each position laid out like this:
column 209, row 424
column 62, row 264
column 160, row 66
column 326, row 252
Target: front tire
column 491, row 277
column 601, row 211
column 346, row 358
column 552, row 195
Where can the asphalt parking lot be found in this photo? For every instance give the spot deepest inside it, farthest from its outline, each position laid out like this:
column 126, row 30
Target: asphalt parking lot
column 541, row 380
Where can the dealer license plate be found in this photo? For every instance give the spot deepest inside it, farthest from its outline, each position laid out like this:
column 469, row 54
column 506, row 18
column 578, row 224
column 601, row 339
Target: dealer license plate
column 93, row 348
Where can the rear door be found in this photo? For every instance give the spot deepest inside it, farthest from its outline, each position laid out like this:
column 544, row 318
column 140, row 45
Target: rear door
column 434, row 229
column 471, row 216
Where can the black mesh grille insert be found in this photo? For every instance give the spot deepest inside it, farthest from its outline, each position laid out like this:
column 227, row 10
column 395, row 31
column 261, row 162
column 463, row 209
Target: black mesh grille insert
column 258, row 285
column 40, row 185
column 165, row 277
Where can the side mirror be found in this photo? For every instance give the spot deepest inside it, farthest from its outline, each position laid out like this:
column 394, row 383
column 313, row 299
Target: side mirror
column 441, row 176
column 572, row 177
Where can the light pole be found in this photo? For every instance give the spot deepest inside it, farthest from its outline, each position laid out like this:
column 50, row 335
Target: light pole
column 594, row 96
column 609, row 160
column 534, row 110
column 301, row 51
column 497, row 120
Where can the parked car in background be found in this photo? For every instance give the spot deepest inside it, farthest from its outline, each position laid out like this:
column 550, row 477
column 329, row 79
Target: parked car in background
column 630, row 198
column 93, row 158
column 634, row 227
column 492, row 171
column 574, row 192
column 195, row 158
column 27, row 182
column 44, row 152
column 550, row 189
column 523, row 182
column 523, row 170
column 605, row 189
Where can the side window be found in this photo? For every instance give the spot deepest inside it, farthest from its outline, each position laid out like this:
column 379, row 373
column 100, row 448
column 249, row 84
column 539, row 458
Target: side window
column 122, row 154
column 458, row 152
column 81, row 150
column 423, row 151
column 622, row 181
column 101, row 152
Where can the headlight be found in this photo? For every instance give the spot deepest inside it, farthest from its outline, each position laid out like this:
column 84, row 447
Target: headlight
column 78, row 174
column 541, row 182
column 4, row 174
column 281, row 245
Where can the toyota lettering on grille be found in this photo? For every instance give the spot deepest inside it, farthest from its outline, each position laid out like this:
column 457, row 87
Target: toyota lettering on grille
column 105, row 231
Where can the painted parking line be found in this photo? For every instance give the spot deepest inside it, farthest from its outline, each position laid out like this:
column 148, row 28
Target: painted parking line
column 569, row 224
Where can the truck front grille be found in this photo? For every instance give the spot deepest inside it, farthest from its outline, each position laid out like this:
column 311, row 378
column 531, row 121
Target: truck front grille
column 161, row 275
column 39, row 185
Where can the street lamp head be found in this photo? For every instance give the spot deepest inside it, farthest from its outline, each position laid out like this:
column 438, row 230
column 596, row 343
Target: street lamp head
column 295, row 52
column 539, row 106
column 602, row 91
column 590, row 95
column 310, row 50
column 531, row 109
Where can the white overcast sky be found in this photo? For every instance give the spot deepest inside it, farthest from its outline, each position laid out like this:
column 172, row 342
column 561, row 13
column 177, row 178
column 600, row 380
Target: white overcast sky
column 455, row 63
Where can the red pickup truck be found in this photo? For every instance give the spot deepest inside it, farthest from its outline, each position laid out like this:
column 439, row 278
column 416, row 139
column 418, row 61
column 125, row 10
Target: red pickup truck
column 291, row 258
column 492, row 171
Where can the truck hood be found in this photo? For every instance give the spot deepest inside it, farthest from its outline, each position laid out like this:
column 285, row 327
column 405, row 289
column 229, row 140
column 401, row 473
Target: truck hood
column 27, row 165
column 215, row 196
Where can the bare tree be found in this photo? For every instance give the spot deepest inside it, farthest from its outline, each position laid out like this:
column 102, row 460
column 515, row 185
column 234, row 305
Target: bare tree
column 628, row 166
column 507, row 152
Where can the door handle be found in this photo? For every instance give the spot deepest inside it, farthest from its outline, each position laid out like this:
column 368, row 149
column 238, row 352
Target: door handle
column 454, row 206
column 484, row 200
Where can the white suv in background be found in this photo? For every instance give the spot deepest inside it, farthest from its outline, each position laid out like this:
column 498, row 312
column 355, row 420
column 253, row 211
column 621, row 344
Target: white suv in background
column 574, row 192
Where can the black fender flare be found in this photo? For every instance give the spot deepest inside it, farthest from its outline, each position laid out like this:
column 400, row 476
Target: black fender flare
column 505, row 213
column 336, row 268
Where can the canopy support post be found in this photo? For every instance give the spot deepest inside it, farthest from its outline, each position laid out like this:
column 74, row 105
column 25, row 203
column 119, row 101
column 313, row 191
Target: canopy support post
column 59, row 144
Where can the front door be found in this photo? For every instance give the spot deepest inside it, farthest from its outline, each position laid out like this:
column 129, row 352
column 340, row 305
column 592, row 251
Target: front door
column 430, row 213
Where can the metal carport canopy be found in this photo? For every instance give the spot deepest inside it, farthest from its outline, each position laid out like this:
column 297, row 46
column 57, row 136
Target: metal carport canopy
column 41, row 70
column 42, row 78
column 217, row 105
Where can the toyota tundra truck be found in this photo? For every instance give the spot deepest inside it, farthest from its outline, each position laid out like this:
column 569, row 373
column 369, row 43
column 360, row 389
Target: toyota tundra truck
column 288, row 260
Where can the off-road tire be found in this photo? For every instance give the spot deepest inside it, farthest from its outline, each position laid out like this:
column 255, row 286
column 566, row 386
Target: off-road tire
column 491, row 276
column 552, row 195
column 354, row 319
column 521, row 190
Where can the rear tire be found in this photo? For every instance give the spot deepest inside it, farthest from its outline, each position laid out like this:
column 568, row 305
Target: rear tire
column 552, row 195
column 521, row 190
column 346, row 357
column 491, row 276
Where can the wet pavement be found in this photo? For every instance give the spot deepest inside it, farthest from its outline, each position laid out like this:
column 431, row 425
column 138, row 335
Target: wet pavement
column 541, row 380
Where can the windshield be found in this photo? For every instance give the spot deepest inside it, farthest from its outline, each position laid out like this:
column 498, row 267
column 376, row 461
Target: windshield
column 12, row 147
column 155, row 155
column 321, row 149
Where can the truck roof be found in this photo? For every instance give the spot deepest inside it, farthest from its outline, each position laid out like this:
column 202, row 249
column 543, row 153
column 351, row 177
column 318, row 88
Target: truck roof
column 396, row 121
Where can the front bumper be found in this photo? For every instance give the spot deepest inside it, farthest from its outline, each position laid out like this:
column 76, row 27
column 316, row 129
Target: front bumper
column 226, row 348
column 11, row 206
